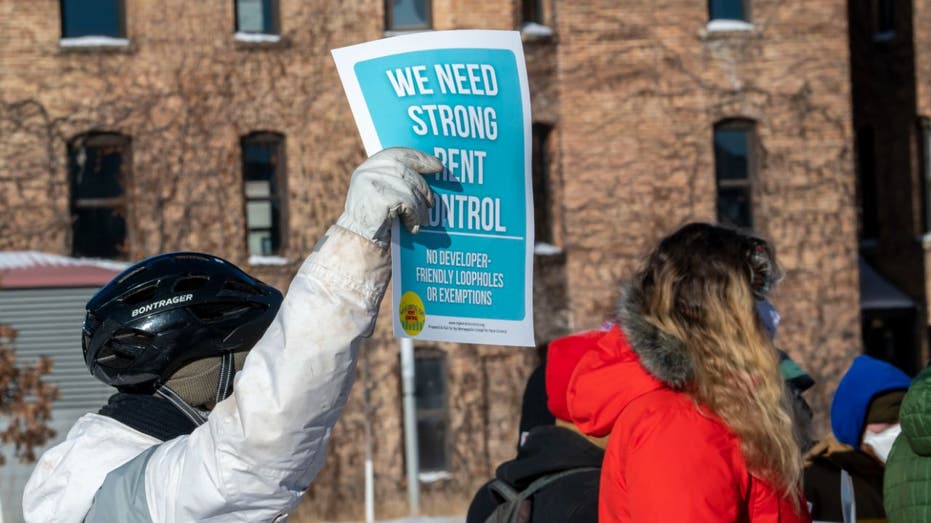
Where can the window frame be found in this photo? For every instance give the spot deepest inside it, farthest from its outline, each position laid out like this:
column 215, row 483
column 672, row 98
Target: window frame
column 120, row 17
column 748, row 183
column 280, row 183
column 443, row 413
column 389, row 18
column 275, row 19
column 119, row 204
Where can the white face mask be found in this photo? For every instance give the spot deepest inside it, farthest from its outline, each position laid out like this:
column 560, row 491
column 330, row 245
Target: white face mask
column 881, row 442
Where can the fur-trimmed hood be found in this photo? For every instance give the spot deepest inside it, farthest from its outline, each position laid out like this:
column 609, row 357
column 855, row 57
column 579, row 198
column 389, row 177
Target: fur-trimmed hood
column 622, row 364
column 660, row 354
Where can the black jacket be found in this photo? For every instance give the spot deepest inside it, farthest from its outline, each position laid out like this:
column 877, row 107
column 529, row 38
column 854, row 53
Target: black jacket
column 548, row 450
column 822, row 482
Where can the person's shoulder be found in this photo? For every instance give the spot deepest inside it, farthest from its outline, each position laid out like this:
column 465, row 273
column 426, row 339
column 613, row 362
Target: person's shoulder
column 98, row 425
column 104, row 441
column 673, row 421
column 571, row 499
column 667, row 409
column 67, row 475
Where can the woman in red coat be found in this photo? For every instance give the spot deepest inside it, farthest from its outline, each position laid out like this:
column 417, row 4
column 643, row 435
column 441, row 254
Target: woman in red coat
column 688, row 387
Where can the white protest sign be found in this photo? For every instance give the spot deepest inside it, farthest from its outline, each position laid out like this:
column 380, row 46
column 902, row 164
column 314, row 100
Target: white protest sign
column 463, row 97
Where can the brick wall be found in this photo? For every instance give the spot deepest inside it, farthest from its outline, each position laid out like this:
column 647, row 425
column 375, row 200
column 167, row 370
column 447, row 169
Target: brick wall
column 631, row 88
column 640, row 88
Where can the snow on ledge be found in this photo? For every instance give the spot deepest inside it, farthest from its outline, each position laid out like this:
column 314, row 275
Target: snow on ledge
column 256, row 259
column 81, row 42
column 536, row 30
column 545, row 249
column 400, row 32
column 723, row 25
column 433, row 476
column 256, row 38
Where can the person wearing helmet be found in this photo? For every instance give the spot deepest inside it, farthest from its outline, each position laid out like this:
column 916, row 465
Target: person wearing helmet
column 182, row 440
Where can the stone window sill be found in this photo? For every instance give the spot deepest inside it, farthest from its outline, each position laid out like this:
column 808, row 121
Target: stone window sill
column 728, row 26
column 534, row 32
column 275, row 261
column 399, row 32
column 94, row 43
column 433, row 476
column 545, row 249
column 258, row 40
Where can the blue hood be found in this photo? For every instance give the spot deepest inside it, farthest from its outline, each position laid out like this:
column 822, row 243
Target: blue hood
column 867, row 378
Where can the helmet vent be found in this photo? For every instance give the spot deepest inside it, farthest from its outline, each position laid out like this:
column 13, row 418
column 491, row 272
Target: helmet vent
column 140, row 295
column 194, row 257
column 191, row 283
column 210, row 312
column 132, row 338
column 113, row 357
column 241, row 286
column 131, row 274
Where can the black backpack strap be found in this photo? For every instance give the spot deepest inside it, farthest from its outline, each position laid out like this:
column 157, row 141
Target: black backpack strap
column 541, row 482
column 505, row 491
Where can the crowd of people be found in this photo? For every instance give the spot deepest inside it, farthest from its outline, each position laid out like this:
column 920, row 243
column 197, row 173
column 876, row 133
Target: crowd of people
column 680, row 409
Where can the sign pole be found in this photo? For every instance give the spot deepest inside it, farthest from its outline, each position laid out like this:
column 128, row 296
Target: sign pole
column 410, row 425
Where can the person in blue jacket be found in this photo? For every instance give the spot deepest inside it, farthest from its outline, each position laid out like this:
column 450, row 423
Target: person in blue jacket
column 844, row 473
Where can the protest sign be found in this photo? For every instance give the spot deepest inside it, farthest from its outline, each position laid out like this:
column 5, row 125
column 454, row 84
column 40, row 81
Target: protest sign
column 463, row 97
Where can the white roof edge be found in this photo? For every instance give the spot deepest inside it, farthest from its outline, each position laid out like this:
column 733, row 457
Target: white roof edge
column 26, row 259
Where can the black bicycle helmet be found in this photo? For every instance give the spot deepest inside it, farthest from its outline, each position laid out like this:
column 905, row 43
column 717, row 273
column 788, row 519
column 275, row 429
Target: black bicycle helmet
column 169, row 310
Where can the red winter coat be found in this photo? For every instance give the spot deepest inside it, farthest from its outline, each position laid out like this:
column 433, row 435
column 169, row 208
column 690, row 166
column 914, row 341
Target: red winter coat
column 666, row 461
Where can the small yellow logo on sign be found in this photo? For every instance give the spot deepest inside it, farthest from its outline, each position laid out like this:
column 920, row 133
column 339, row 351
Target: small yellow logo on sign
column 412, row 313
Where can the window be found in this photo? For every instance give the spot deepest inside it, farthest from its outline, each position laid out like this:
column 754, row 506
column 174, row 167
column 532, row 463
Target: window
column 81, row 18
column 543, row 223
column 885, row 17
column 263, row 174
column 97, row 165
column 734, row 164
column 729, row 10
column 405, row 15
column 257, row 16
column 532, row 11
column 430, row 396
column 867, row 201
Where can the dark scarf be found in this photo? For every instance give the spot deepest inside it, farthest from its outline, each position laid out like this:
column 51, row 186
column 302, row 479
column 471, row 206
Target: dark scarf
column 148, row 414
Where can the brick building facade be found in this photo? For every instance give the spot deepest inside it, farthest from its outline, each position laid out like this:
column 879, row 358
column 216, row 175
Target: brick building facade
column 226, row 130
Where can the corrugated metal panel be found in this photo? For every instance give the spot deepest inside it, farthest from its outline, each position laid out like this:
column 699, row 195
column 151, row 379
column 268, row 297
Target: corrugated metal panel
column 48, row 323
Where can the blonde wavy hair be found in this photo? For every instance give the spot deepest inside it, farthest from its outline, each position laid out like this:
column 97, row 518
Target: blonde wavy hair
column 700, row 286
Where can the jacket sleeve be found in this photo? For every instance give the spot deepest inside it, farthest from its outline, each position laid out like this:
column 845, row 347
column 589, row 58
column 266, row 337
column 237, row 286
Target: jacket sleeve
column 677, row 470
column 261, row 447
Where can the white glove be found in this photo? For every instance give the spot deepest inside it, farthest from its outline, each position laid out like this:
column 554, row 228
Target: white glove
column 389, row 185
